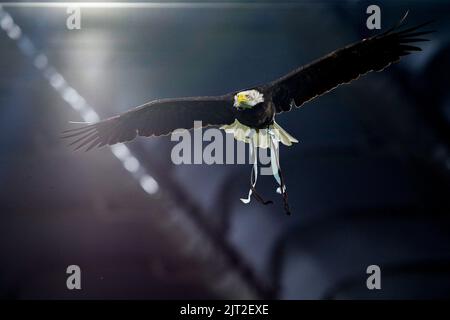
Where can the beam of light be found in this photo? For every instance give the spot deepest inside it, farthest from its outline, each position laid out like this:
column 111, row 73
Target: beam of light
column 149, row 184
column 131, row 164
column 74, row 99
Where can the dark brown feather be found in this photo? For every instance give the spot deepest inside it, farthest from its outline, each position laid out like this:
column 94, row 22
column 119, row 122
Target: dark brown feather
column 343, row 66
column 156, row 118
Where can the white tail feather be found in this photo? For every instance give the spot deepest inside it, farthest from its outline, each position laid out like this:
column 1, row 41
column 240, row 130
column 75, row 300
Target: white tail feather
column 261, row 137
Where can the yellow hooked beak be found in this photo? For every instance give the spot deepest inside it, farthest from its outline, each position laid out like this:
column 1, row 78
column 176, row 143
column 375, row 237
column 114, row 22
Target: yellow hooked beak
column 241, row 98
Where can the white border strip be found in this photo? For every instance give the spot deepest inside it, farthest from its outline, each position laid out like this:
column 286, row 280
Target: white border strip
column 143, row 5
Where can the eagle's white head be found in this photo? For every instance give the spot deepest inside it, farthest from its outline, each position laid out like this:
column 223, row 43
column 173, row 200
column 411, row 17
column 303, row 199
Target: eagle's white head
column 248, row 99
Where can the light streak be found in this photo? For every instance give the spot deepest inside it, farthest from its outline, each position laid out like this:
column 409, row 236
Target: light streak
column 74, row 99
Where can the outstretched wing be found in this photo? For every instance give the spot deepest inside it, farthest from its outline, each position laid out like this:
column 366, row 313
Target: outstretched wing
column 344, row 65
column 158, row 117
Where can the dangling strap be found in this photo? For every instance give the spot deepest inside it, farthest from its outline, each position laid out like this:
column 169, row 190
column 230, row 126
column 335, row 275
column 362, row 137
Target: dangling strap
column 276, row 170
column 254, row 174
column 274, row 152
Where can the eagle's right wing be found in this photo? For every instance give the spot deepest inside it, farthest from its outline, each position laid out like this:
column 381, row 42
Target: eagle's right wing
column 158, row 117
column 344, row 65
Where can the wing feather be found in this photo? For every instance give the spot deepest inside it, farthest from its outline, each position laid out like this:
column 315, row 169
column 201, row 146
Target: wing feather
column 344, row 65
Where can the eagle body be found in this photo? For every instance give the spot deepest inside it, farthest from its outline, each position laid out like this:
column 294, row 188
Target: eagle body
column 261, row 115
column 250, row 114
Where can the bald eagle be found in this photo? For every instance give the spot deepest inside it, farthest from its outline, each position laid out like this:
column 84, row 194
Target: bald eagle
column 250, row 114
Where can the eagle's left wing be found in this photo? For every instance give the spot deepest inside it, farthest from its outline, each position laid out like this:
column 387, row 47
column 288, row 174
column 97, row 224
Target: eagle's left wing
column 344, row 65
